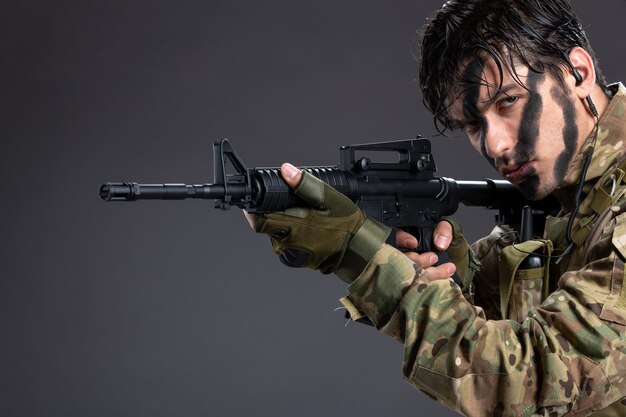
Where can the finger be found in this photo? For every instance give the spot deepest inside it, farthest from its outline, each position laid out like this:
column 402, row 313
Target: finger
column 424, row 260
column 251, row 219
column 291, row 175
column 443, row 271
column 405, row 239
column 442, row 236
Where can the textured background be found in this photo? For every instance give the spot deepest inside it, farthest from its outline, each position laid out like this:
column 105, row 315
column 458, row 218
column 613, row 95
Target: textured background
column 174, row 308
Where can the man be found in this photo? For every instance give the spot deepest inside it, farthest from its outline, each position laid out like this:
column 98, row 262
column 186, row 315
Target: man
column 520, row 79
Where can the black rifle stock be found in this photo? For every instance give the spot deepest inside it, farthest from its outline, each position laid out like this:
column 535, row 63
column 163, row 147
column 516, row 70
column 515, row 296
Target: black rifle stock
column 404, row 194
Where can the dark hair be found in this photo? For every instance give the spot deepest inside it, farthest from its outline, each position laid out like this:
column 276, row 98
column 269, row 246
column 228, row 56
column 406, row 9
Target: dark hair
column 535, row 33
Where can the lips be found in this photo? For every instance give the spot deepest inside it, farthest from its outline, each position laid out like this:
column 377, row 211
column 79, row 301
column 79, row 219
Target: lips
column 517, row 173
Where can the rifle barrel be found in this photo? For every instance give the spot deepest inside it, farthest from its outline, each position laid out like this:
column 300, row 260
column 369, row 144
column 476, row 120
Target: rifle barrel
column 131, row 191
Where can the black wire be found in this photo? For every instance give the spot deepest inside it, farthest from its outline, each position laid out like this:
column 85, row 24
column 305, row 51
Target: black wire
column 579, row 191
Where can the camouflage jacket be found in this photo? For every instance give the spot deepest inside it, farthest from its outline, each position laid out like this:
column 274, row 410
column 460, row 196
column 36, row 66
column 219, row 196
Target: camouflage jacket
column 562, row 352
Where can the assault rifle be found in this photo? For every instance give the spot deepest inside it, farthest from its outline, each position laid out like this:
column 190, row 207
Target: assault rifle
column 404, row 194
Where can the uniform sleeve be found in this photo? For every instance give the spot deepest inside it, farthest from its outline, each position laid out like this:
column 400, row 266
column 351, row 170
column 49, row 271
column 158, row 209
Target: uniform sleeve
column 568, row 357
column 486, row 282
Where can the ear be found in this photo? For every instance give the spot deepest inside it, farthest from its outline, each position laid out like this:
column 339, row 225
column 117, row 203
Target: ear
column 583, row 64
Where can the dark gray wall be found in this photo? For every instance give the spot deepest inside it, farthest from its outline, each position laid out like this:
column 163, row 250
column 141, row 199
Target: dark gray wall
column 174, row 308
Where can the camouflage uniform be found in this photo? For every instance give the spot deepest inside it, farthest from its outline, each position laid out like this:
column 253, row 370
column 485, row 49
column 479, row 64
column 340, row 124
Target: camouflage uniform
column 522, row 349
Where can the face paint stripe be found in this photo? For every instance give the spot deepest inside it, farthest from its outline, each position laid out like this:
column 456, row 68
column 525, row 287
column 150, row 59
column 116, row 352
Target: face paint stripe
column 570, row 133
column 472, row 76
column 529, row 127
column 529, row 134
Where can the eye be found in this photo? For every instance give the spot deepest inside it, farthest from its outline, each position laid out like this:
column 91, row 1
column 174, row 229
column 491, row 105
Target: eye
column 508, row 101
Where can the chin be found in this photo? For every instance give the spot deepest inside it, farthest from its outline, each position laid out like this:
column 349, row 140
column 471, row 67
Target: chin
column 533, row 190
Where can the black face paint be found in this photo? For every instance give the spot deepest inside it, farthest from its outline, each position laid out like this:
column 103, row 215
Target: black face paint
column 529, row 128
column 472, row 77
column 570, row 133
column 528, row 135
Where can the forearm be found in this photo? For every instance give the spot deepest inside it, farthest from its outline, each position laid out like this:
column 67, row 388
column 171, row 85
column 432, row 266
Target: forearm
column 476, row 365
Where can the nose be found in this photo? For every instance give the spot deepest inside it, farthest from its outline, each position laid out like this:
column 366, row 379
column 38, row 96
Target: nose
column 498, row 139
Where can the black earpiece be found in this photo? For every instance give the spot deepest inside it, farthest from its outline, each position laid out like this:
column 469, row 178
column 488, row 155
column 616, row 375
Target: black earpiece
column 575, row 73
column 579, row 80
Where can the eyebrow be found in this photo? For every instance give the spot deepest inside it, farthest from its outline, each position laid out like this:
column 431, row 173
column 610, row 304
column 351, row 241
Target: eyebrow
column 503, row 90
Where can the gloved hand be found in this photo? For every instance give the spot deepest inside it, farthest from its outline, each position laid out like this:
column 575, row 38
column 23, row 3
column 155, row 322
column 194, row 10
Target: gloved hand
column 461, row 254
column 448, row 237
column 331, row 235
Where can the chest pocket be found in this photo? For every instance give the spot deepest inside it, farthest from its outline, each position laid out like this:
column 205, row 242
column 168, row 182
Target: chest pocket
column 523, row 289
column 614, row 308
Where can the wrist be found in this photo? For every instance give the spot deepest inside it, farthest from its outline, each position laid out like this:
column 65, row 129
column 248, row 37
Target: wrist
column 363, row 246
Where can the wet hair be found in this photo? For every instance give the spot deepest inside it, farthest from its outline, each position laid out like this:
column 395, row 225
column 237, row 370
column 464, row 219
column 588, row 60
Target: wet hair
column 535, row 33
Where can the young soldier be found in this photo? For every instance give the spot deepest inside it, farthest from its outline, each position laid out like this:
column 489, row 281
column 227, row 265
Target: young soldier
column 520, row 79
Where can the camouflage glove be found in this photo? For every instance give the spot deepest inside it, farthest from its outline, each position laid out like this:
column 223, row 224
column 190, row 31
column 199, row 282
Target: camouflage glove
column 331, row 235
column 461, row 254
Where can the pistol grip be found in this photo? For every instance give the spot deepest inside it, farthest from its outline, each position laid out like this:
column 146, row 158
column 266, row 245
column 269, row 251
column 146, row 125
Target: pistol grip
column 443, row 258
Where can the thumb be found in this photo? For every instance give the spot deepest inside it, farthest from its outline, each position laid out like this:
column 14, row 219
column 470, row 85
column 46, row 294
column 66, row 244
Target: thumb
column 291, row 175
column 443, row 235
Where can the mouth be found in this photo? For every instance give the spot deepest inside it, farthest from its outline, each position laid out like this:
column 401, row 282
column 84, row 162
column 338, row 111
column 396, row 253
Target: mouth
column 517, row 173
